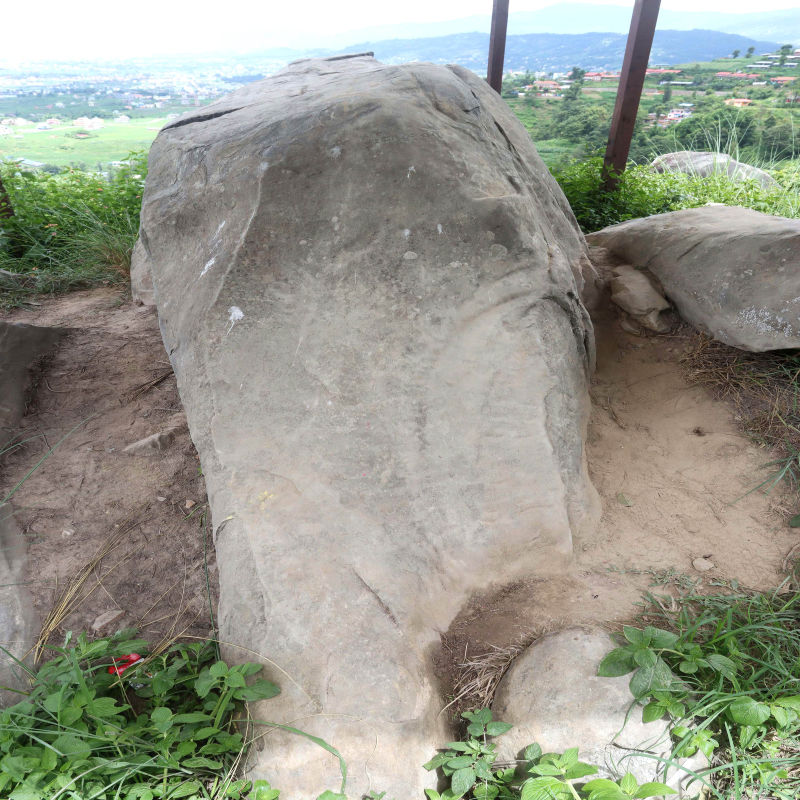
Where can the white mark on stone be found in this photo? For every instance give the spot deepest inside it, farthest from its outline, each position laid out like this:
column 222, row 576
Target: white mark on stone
column 439, row 229
column 407, row 233
column 235, row 314
column 209, row 264
column 218, row 231
column 410, row 170
column 409, row 256
column 335, row 152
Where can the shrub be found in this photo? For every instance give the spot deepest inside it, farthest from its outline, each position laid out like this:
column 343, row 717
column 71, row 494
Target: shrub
column 71, row 230
column 642, row 192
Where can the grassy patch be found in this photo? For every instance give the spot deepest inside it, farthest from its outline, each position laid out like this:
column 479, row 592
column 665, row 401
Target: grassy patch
column 59, row 147
column 68, row 231
column 725, row 669
column 643, row 192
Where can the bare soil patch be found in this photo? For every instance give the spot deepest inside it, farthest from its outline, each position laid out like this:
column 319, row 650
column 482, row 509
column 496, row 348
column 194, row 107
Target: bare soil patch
column 109, row 380
column 675, row 475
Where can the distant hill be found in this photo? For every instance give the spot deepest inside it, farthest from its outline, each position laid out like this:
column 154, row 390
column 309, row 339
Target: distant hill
column 573, row 18
column 548, row 51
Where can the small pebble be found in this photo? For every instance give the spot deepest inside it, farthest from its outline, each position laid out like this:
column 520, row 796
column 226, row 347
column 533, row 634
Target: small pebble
column 161, row 499
column 703, row 564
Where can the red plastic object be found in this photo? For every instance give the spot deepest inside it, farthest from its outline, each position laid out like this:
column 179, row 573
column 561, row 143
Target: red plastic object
column 121, row 663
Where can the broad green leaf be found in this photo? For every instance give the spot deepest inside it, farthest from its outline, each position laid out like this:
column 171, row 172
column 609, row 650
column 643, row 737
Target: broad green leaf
column 192, row 716
column 459, row 762
column 617, row 662
column 722, row 664
column 476, row 729
column 140, row 791
column 259, row 690
column 653, row 789
column 628, row 783
column 329, row 795
column 498, row 728
column 26, row 793
column 600, row 783
column 661, row 639
column 650, row 679
column 72, row 746
column 545, row 769
column 462, row 780
column 580, row 770
column 532, row 752
column 437, row 761
column 482, row 715
column 485, row 791
column 235, row 679
column 105, row 707
column 747, row 711
column 568, row 758
column 634, row 635
column 204, row 733
column 792, row 701
column 199, row 762
column 432, row 794
column 545, row 788
column 482, row 770
column 652, row 711
column 218, row 669
column 645, row 657
column 204, row 684
column 781, row 715
column 623, row 500
column 53, row 701
column 185, row 789
column 464, row 747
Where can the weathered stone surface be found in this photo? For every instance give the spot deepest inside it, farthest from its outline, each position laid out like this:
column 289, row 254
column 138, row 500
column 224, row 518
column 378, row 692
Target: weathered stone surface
column 20, row 347
column 694, row 162
column 552, row 696
column 141, row 277
column 634, row 292
column 18, row 624
column 367, row 283
column 731, row 272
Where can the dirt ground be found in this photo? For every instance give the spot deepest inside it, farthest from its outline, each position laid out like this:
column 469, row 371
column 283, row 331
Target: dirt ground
column 667, row 459
column 110, row 381
column 675, row 477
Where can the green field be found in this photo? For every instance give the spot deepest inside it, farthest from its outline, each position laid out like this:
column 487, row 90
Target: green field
column 60, row 147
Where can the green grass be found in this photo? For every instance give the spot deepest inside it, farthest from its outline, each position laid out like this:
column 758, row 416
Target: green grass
column 60, row 148
column 736, row 693
column 643, row 192
column 72, row 230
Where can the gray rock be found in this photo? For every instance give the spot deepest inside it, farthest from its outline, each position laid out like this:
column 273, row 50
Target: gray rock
column 151, row 445
column 380, row 435
column 702, row 164
column 21, row 346
column 142, row 291
column 731, row 272
column 18, row 623
column 633, row 291
column 552, row 696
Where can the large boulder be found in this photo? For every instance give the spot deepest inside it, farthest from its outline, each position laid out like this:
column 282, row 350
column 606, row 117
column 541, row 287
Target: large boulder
column 703, row 164
column 367, row 284
column 732, row 272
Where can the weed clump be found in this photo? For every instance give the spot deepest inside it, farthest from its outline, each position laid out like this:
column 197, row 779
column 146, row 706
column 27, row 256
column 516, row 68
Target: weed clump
column 68, row 231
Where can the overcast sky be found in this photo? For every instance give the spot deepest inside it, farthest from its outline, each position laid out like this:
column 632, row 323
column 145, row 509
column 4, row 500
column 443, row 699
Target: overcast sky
column 47, row 29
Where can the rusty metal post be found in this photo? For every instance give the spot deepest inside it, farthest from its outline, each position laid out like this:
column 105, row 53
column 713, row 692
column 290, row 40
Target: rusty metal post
column 629, row 92
column 497, row 44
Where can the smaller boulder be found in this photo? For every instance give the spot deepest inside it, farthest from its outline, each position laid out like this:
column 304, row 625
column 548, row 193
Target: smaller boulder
column 702, row 164
column 732, row 272
column 553, row 696
column 634, row 292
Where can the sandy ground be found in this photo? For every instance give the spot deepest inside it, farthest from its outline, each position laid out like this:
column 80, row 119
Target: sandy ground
column 672, row 470
column 89, row 490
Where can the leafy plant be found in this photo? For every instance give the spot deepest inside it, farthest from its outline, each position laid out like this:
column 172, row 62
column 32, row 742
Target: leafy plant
column 95, row 727
column 727, row 678
column 471, row 770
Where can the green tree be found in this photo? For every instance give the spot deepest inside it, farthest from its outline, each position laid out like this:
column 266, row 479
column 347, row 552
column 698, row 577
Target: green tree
column 577, row 74
column 736, row 53
column 750, row 51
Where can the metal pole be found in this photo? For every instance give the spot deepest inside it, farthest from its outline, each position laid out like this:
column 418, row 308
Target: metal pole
column 497, row 44
column 631, row 81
